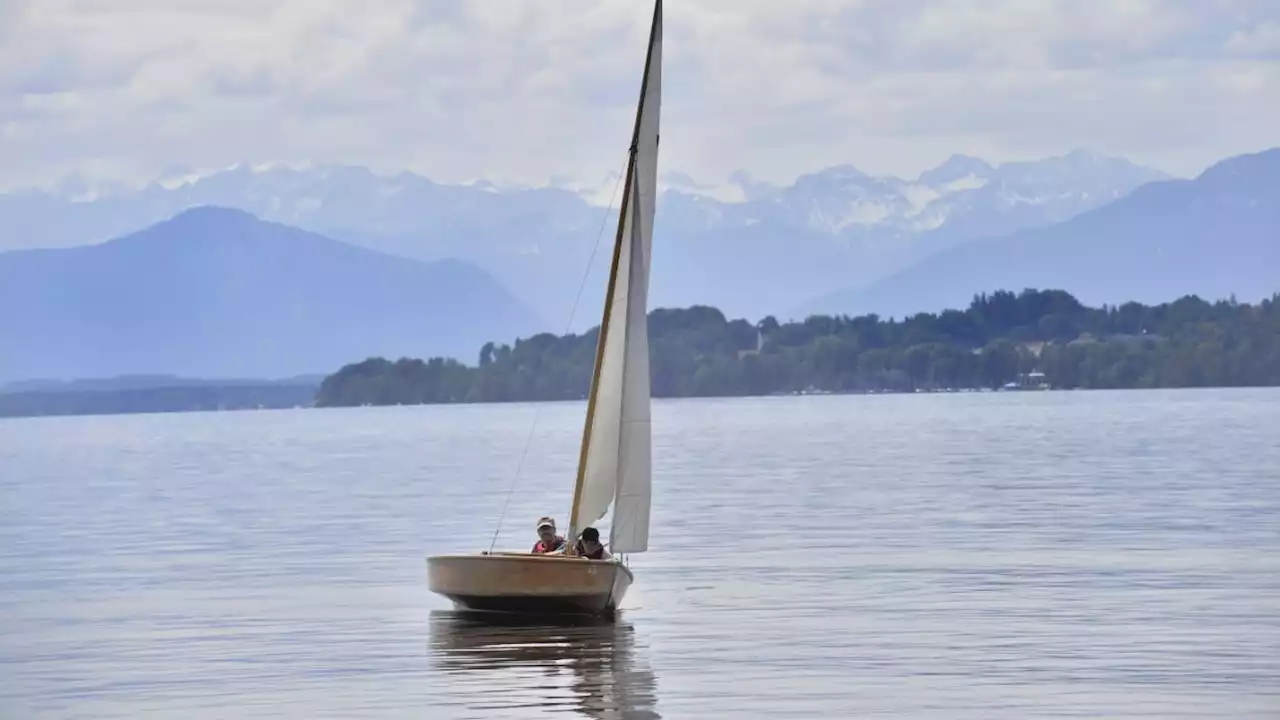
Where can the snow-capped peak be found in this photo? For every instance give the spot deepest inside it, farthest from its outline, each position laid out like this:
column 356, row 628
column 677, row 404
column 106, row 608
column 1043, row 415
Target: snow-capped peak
column 955, row 169
column 837, row 200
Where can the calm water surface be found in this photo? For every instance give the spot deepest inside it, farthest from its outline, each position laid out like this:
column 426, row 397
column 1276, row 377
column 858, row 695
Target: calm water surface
column 970, row 556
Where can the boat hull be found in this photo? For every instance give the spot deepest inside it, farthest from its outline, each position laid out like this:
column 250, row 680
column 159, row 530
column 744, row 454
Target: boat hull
column 527, row 584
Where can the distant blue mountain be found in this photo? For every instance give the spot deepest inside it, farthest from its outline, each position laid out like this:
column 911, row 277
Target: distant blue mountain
column 757, row 249
column 1215, row 236
column 217, row 293
column 125, row 383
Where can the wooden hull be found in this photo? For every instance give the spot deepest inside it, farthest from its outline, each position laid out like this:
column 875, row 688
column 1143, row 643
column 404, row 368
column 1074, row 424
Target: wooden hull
column 535, row 585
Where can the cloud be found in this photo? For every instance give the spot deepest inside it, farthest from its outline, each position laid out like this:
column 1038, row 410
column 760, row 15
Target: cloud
column 1262, row 40
column 521, row 90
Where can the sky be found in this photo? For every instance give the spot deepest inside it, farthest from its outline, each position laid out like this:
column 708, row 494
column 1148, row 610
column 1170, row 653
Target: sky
column 518, row 91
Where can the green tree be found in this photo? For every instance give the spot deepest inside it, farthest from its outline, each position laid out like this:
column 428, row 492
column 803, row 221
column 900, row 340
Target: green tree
column 698, row 351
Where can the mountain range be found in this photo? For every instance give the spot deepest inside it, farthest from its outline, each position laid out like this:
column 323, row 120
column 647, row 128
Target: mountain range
column 218, row 293
column 772, row 247
column 276, row 272
column 1216, row 236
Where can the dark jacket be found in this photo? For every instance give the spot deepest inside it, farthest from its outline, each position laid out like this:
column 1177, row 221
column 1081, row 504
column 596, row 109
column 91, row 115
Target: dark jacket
column 581, row 549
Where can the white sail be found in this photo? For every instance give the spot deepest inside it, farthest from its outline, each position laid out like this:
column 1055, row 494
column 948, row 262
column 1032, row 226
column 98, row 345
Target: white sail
column 616, row 467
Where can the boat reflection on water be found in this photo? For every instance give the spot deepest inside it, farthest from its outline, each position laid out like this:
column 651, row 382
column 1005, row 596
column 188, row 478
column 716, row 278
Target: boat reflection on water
column 583, row 666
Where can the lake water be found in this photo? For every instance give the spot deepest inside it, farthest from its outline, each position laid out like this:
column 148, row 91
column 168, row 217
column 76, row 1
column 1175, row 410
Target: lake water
column 1011, row 555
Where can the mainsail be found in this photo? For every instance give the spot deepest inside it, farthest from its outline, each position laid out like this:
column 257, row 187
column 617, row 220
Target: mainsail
column 615, row 464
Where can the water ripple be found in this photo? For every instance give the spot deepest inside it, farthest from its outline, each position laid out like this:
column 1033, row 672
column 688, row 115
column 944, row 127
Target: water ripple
column 984, row 556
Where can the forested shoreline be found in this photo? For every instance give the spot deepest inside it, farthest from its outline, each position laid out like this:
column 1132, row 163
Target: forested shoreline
column 1001, row 338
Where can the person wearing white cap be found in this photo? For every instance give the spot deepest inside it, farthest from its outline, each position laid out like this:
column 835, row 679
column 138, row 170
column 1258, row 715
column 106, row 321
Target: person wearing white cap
column 548, row 540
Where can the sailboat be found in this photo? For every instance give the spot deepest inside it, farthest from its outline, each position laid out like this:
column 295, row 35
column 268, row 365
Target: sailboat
column 614, row 464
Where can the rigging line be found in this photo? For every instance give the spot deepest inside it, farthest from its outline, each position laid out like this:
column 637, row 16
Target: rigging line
column 537, row 412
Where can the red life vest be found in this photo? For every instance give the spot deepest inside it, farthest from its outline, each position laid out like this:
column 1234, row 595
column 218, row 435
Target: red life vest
column 541, row 548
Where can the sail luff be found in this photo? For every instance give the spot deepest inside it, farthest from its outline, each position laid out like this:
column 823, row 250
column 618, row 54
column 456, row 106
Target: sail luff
column 575, row 527
column 614, row 458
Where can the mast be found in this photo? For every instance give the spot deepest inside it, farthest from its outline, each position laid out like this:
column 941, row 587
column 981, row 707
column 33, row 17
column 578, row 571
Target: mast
column 584, row 450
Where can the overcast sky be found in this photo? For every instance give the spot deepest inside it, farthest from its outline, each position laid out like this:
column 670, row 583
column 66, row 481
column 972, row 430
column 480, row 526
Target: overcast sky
column 520, row 90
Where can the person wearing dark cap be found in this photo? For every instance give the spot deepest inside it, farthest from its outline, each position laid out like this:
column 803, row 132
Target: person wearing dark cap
column 589, row 545
column 548, row 540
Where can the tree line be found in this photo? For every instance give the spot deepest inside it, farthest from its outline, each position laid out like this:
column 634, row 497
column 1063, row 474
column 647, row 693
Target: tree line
column 999, row 338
